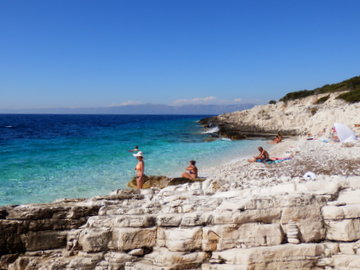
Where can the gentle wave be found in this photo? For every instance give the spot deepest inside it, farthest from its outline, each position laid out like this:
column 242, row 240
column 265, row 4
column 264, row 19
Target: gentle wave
column 211, row 130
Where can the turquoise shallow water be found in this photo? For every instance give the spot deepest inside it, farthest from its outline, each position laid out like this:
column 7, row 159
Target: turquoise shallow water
column 46, row 157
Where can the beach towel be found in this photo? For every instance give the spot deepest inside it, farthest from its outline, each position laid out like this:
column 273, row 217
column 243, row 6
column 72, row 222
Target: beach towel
column 274, row 160
column 318, row 139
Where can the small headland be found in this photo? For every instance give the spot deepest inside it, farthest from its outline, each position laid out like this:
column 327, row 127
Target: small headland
column 297, row 113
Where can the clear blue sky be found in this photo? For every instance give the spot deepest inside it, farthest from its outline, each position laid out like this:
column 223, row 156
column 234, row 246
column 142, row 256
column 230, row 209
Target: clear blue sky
column 81, row 53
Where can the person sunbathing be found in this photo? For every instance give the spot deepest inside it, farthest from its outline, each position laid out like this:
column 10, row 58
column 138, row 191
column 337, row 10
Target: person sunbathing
column 262, row 157
column 277, row 139
column 191, row 171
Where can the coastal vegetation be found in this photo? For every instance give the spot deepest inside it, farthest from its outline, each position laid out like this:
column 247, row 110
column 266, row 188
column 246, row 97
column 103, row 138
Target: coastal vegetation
column 351, row 85
column 322, row 99
column 351, row 96
column 272, row 102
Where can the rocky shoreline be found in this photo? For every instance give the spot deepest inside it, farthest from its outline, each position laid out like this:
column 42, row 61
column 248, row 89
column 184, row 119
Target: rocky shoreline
column 292, row 118
column 244, row 216
column 240, row 130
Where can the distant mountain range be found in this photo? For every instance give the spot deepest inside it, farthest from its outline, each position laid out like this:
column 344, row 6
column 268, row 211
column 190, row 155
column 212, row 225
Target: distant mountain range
column 140, row 109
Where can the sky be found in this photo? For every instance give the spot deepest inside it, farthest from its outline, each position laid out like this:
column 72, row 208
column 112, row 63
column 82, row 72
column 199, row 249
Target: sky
column 92, row 53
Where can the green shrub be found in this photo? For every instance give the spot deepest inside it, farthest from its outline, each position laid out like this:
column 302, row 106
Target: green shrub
column 351, row 96
column 313, row 110
column 350, row 84
column 272, row 102
column 353, row 85
column 297, row 95
column 322, row 100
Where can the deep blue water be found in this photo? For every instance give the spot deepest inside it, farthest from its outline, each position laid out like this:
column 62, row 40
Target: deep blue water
column 46, row 157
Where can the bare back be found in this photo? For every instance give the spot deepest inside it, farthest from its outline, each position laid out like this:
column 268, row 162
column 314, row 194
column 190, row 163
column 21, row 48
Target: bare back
column 140, row 167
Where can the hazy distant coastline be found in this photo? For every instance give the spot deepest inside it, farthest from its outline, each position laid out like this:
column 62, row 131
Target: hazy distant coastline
column 139, row 109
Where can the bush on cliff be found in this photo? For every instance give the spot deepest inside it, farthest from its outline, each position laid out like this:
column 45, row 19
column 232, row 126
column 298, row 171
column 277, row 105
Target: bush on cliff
column 297, row 95
column 352, row 85
column 322, row 100
column 351, row 97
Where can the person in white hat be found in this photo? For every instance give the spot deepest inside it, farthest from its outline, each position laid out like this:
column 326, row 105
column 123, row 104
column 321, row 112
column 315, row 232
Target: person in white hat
column 140, row 168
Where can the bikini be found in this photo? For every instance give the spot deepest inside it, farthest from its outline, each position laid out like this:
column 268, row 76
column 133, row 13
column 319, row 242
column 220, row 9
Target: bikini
column 191, row 172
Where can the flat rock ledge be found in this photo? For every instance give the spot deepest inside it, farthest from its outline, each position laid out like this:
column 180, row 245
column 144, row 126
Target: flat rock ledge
column 238, row 130
column 155, row 181
column 312, row 225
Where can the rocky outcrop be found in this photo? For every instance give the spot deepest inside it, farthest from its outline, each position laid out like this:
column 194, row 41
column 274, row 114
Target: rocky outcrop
column 44, row 227
column 154, row 181
column 290, row 118
column 312, row 225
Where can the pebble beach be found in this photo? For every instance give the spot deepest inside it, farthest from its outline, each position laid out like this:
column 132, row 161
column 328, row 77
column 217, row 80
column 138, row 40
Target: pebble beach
column 325, row 160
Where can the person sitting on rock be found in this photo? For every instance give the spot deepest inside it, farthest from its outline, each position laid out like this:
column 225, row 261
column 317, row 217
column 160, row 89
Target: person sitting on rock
column 191, row 171
column 262, row 157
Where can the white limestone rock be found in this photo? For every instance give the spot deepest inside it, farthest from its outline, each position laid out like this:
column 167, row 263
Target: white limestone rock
column 179, row 260
column 117, row 260
column 168, row 220
column 44, row 240
column 349, row 262
column 210, row 266
column 183, row 239
column 134, row 221
column 132, row 238
column 224, row 237
column 271, row 215
column 307, row 215
column 303, row 256
column 192, row 219
column 220, row 237
column 349, row 196
column 222, row 217
column 94, row 239
column 292, row 233
column 254, row 234
column 139, row 252
column 343, row 230
column 341, row 212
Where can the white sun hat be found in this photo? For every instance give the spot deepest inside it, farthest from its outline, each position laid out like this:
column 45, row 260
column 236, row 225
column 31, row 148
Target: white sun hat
column 138, row 154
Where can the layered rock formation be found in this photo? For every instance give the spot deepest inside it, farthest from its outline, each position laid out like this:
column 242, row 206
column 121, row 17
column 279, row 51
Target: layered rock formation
column 296, row 117
column 191, row 226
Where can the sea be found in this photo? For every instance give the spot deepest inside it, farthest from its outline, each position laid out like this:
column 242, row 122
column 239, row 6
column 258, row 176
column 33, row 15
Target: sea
column 48, row 157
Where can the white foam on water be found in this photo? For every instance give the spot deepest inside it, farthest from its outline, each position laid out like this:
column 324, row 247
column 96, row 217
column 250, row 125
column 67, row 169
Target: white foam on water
column 211, row 130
